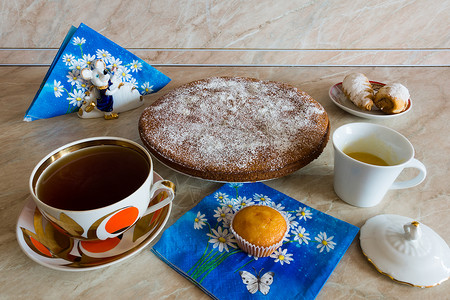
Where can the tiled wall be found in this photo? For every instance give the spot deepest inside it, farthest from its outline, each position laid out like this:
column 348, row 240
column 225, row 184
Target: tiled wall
column 346, row 32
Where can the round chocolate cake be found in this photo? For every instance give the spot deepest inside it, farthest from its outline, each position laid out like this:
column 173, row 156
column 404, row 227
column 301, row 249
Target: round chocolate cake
column 235, row 129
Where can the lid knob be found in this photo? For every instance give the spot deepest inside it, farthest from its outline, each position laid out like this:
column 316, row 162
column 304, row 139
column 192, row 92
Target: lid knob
column 412, row 231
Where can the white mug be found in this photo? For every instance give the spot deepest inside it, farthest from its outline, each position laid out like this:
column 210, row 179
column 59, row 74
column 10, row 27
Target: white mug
column 363, row 184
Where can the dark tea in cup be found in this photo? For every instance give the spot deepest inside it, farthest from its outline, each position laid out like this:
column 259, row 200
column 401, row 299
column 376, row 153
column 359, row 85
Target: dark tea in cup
column 97, row 188
column 92, row 177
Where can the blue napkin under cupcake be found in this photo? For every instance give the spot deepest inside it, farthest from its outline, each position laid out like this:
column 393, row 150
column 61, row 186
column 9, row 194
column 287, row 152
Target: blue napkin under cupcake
column 62, row 89
column 201, row 247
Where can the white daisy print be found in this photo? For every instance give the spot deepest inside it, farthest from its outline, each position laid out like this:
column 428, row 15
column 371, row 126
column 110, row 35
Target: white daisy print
column 199, row 221
column 78, row 41
column 278, row 206
column 68, row 59
column 133, row 82
column 301, row 235
column 81, row 84
column 223, row 214
column 76, row 98
column 124, row 73
column 236, row 185
column 242, row 202
column 58, row 88
column 77, row 65
column 136, row 66
column 292, row 222
column 262, row 199
column 304, row 213
column 147, row 87
column 221, row 197
column 230, row 203
column 103, row 54
column 87, row 60
column 73, row 77
column 222, row 239
column 114, row 63
column 325, row 242
column 286, row 238
column 282, row 257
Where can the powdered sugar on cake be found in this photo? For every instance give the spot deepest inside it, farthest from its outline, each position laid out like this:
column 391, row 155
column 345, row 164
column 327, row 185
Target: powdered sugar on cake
column 224, row 123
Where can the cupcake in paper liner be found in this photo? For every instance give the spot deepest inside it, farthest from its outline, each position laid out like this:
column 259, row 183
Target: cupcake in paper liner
column 259, row 229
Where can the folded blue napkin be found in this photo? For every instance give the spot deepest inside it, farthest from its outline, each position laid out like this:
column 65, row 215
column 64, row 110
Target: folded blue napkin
column 63, row 89
column 200, row 247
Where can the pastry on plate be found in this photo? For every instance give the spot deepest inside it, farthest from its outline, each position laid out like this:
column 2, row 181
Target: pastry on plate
column 392, row 98
column 235, row 129
column 259, row 230
column 359, row 90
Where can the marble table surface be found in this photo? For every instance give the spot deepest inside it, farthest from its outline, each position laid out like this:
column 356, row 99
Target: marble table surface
column 144, row 276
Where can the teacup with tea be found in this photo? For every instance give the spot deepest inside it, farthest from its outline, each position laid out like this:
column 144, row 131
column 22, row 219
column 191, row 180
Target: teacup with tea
column 368, row 158
column 97, row 188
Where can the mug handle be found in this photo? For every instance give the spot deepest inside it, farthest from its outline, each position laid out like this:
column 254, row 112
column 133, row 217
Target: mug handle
column 165, row 185
column 414, row 163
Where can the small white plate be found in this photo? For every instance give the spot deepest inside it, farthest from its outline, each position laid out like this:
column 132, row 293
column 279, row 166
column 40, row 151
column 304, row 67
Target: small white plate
column 338, row 97
column 45, row 245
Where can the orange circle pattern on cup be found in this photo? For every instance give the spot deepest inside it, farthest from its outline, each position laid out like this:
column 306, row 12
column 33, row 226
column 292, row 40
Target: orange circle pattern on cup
column 122, row 220
column 100, row 246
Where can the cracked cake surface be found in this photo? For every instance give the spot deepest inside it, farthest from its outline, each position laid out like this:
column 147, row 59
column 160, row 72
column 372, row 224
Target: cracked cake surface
column 235, row 129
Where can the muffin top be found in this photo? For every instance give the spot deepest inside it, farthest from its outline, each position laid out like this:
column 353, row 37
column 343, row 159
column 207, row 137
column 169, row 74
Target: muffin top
column 260, row 225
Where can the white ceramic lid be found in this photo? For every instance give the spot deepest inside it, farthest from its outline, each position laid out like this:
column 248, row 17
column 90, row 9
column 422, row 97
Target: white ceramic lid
column 406, row 250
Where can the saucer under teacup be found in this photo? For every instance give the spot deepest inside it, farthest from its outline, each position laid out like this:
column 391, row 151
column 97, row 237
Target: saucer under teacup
column 49, row 247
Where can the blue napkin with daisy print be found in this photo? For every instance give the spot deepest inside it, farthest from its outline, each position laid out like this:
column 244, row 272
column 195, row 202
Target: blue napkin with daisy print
column 63, row 90
column 201, row 247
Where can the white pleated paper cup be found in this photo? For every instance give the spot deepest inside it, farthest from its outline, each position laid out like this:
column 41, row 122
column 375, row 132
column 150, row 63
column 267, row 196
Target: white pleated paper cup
column 252, row 249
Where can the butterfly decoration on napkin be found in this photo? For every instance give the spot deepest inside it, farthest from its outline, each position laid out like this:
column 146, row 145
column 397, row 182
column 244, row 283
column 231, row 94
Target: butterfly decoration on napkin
column 65, row 89
column 257, row 283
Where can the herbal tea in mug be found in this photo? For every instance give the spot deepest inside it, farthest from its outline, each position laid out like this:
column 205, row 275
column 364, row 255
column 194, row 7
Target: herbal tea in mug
column 368, row 158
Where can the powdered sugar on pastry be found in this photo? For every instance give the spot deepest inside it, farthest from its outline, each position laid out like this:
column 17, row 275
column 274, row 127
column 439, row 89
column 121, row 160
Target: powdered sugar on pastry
column 358, row 89
column 392, row 98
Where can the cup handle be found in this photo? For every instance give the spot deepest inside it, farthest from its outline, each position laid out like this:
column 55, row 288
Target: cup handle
column 414, row 163
column 165, row 185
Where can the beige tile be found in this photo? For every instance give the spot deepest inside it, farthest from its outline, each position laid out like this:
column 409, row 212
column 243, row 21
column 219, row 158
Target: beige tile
column 299, row 24
column 244, row 57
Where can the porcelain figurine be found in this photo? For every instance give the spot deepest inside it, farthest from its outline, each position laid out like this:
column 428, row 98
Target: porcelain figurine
column 108, row 95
